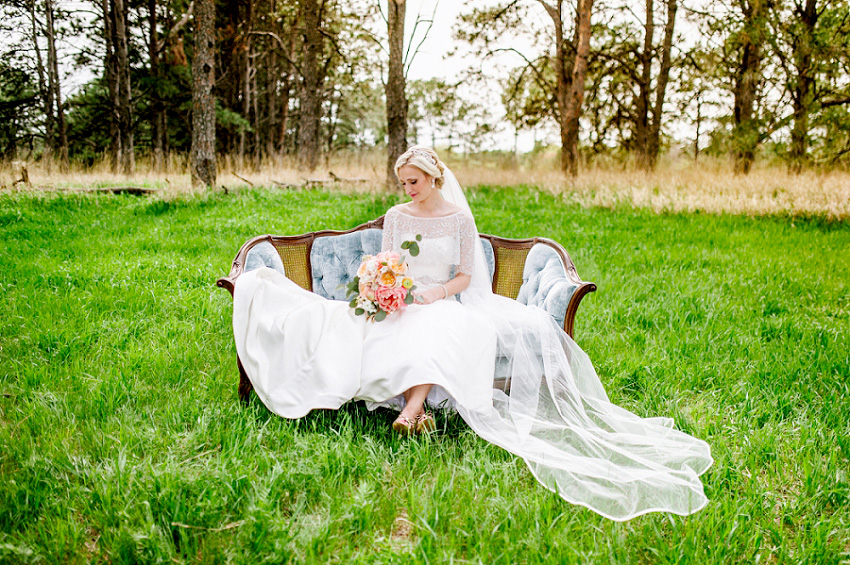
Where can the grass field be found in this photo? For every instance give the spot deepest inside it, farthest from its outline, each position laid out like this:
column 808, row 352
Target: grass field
column 122, row 439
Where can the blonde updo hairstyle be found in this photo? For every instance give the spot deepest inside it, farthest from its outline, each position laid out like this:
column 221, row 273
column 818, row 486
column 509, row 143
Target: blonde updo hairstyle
column 426, row 160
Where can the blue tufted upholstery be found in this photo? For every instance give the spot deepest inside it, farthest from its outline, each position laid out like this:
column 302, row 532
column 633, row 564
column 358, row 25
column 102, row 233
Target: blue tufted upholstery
column 263, row 254
column 545, row 283
column 335, row 260
column 488, row 255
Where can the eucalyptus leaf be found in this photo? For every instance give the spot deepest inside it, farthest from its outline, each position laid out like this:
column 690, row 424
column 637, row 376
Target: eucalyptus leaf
column 359, row 311
column 380, row 315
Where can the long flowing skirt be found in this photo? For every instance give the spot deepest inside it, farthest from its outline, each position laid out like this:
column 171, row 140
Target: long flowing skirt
column 304, row 352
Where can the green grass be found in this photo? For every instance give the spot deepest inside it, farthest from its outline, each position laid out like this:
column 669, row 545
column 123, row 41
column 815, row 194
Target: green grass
column 122, row 439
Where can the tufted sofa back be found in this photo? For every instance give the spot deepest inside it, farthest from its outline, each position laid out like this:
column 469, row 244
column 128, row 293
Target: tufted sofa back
column 334, row 260
column 537, row 271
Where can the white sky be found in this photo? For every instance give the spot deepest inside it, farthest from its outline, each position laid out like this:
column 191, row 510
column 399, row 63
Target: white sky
column 432, row 60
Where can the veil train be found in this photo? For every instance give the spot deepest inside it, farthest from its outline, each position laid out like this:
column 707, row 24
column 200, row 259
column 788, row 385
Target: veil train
column 559, row 420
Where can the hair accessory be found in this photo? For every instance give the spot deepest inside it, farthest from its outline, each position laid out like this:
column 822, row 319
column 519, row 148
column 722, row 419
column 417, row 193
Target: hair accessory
column 424, row 153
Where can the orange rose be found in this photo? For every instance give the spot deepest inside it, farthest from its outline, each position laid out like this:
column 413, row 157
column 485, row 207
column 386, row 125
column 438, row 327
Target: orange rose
column 387, row 279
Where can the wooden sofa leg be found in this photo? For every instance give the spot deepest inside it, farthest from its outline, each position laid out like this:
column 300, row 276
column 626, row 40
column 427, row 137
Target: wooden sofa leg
column 245, row 386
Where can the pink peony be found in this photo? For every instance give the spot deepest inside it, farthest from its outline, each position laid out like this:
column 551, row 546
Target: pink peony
column 391, row 299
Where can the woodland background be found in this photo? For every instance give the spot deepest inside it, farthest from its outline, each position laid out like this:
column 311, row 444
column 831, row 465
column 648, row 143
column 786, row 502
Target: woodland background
column 254, row 82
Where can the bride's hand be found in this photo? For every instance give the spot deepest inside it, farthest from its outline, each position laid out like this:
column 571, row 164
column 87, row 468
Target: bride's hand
column 429, row 296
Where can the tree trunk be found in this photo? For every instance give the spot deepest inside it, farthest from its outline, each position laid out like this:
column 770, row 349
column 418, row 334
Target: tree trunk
column 157, row 109
column 642, row 123
column 125, row 116
column 654, row 138
column 245, row 76
column 271, row 103
column 571, row 71
column 311, row 87
column 203, row 102
column 255, row 102
column 563, row 83
column 394, row 89
column 802, row 94
column 109, row 67
column 745, row 134
column 43, row 89
column 579, row 75
column 52, row 82
column 697, row 125
column 286, row 91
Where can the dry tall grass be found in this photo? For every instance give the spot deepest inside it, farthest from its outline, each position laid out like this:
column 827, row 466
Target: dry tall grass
column 708, row 186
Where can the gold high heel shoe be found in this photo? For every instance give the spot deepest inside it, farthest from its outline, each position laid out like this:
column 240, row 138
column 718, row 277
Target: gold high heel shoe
column 425, row 423
column 404, row 425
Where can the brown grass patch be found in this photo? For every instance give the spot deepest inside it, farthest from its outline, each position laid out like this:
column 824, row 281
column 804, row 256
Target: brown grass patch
column 708, row 186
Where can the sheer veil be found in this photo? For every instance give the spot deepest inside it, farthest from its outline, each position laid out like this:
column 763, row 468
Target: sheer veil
column 558, row 418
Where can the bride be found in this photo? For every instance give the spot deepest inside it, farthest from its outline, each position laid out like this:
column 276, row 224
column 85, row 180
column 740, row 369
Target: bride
column 304, row 352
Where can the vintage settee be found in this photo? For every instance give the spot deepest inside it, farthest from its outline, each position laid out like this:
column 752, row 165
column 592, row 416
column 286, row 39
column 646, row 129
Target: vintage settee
column 535, row 271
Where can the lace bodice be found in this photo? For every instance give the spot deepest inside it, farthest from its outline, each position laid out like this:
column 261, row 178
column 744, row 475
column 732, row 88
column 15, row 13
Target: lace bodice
column 447, row 247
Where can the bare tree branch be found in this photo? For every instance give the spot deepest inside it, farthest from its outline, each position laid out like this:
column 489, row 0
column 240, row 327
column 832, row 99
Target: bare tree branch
column 407, row 63
column 160, row 44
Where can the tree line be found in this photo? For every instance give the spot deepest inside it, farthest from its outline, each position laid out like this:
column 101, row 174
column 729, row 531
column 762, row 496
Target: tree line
column 261, row 79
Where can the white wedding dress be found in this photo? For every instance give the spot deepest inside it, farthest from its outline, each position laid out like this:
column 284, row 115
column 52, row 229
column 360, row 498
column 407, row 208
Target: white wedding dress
column 304, row 352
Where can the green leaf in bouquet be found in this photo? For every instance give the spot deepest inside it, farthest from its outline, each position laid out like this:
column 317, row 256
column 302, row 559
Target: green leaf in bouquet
column 405, row 245
column 353, row 303
column 359, row 311
column 380, row 315
column 414, row 248
column 418, row 237
column 409, row 298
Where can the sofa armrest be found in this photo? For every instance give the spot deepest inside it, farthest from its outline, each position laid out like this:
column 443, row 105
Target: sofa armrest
column 548, row 284
column 263, row 254
column 254, row 253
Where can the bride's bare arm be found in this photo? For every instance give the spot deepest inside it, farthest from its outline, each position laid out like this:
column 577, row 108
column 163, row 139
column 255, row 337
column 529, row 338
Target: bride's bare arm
column 454, row 286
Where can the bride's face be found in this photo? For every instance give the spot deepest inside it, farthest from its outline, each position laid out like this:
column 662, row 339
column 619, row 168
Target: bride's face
column 416, row 183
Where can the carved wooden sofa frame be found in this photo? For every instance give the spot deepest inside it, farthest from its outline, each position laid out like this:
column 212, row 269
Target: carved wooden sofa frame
column 559, row 292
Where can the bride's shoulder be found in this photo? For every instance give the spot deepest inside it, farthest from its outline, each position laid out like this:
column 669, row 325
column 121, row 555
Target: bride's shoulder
column 395, row 210
column 453, row 209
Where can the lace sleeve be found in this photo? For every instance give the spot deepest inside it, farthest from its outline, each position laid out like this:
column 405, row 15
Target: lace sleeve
column 467, row 235
column 387, row 239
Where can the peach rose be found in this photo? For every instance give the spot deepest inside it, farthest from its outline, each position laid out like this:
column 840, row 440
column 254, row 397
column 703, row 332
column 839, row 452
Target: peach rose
column 391, row 256
column 366, row 291
column 387, row 279
column 364, row 265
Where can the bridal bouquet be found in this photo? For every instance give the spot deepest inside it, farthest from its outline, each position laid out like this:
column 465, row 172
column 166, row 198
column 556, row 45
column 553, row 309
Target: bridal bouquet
column 382, row 286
